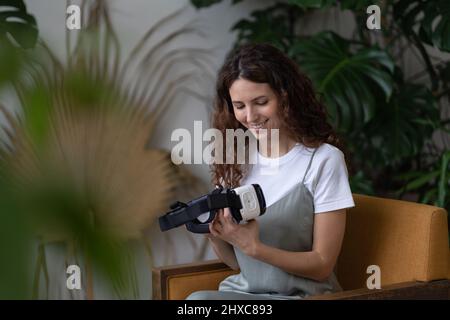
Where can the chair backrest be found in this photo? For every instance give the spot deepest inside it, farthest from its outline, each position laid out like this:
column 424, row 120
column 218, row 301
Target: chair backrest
column 407, row 240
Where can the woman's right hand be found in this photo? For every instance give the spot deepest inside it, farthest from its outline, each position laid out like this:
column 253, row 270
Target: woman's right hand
column 213, row 225
column 242, row 236
column 223, row 249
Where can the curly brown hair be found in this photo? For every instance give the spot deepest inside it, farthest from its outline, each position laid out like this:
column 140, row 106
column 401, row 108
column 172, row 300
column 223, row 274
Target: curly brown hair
column 304, row 116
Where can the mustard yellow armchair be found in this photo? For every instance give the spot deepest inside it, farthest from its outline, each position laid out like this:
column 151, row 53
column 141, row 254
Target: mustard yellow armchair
column 407, row 240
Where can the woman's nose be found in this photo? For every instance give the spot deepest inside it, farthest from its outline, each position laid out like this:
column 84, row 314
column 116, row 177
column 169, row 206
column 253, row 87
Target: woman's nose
column 251, row 114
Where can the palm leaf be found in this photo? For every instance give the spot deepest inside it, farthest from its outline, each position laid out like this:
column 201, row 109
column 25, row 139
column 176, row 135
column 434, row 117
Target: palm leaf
column 361, row 184
column 444, row 181
column 80, row 150
column 432, row 183
column 96, row 130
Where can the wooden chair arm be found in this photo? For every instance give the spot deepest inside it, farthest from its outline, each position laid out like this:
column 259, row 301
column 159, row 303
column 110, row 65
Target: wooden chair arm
column 437, row 290
column 178, row 281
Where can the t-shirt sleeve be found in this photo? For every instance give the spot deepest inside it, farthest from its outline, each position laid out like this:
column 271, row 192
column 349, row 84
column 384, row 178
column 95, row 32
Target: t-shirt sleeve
column 332, row 188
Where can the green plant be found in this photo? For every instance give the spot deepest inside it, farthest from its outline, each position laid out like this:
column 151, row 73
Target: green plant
column 431, row 181
column 77, row 163
column 17, row 30
column 17, row 26
column 386, row 118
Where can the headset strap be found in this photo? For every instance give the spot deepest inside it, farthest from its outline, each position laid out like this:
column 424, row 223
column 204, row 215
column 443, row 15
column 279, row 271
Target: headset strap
column 188, row 212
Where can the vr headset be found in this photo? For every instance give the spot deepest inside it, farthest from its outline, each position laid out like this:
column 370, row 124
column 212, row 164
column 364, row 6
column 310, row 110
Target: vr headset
column 245, row 203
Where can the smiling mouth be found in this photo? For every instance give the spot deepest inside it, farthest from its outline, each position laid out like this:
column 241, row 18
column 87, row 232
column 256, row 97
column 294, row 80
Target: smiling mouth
column 259, row 125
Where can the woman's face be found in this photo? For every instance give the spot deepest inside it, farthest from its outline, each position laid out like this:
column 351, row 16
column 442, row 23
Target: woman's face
column 255, row 106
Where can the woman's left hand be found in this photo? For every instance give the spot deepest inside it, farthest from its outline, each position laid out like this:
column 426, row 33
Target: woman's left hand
column 243, row 236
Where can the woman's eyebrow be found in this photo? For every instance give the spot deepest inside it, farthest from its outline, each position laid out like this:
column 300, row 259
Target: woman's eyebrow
column 258, row 98
column 252, row 99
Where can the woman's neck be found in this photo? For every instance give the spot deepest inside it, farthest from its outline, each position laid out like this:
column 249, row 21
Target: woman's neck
column 284, row 146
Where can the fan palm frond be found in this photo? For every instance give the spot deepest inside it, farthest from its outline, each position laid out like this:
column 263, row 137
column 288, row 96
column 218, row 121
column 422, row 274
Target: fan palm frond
column 97, row 128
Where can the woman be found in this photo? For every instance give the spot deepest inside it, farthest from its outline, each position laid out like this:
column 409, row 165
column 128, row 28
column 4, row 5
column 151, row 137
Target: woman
column 290, row 251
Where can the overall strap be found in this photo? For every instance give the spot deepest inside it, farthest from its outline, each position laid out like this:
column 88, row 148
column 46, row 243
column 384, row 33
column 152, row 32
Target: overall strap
column 309, row 164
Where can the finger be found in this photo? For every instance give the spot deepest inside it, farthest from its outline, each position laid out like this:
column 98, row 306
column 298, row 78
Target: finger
column 219, row 226
column 229, row 220
column 218, row 222
column 228, row 216
column 219, row 212
column 213, row 230
column 222, row 217
column 217, row 219
column 251, row 223
column 217, row 216
column 209, row 235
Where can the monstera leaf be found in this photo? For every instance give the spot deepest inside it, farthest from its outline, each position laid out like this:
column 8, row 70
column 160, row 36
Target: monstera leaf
column 313, row 4
column 432, row 17
column 407, row 121
column 349, row 81
column 17, row 27
column 270, row 25
column 206, row 3
column 357, row 4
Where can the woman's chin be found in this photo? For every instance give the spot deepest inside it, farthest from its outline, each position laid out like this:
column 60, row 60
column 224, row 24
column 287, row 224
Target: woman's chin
column 259, row 133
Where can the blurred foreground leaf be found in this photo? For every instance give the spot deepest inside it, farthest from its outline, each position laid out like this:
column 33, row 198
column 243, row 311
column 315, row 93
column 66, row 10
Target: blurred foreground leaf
column 17, row 26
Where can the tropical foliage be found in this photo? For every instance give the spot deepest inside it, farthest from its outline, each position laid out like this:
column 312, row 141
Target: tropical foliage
column 395, row 123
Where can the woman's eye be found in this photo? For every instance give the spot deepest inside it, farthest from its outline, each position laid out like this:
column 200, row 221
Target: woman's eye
column 239, row 107
column 261, row 103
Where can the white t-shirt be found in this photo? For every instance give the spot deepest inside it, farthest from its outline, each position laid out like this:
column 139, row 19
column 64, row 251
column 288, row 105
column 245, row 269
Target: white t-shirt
column 327, row 178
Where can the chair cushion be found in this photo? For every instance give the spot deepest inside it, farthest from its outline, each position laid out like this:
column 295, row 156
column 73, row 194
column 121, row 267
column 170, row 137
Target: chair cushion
column 407, row 240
